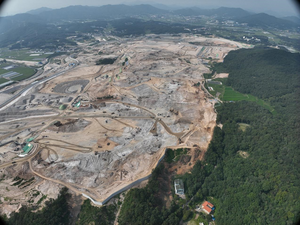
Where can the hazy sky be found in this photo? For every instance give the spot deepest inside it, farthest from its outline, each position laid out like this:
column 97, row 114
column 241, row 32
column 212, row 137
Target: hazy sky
column 281, row 7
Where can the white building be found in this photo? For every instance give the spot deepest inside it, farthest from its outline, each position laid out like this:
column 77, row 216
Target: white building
column 179, row 187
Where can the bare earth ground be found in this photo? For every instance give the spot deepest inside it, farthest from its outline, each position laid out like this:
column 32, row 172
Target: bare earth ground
column 221, row 75
column 128, row 116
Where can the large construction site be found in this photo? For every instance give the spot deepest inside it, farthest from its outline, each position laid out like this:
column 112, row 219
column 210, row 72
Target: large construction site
column 101, row 129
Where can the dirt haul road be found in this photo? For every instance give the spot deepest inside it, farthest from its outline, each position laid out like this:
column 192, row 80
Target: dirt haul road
column 127, row 118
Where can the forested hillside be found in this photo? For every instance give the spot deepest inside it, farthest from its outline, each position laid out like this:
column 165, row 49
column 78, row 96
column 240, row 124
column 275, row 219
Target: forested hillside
column 38, row 35
column 264, row 73
column 222, row 12
column 90, row 214
column 144, row 206
column 266, row 21
column 55, row 212
column 251, row 169
column 263, row 188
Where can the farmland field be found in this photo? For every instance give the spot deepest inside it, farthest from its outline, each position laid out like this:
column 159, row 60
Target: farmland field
column 217, row 88
column 228, row 94
column 26, row 71
column 21, row 55
column 2, row 80
column 2, row 71
column 232, row 95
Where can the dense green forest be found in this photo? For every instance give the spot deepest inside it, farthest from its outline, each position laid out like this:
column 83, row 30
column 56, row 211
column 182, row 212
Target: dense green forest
column 38, row 35
column 144, row 206
column 263, row 73
column 55, row 212
column 137, row 27
column 264, row 186
column 267, row 21
column 94, row 215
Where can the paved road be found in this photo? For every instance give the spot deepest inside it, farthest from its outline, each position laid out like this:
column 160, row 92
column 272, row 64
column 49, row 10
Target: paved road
column 26, row 89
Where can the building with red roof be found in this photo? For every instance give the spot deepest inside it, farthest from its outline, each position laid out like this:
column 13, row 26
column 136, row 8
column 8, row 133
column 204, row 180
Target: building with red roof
column 207, row 207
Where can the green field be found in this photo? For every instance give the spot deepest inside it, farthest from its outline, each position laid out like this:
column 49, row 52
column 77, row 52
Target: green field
column 243, row 126
column 20, row 55
column 217, row 88
column 228, row 94
column 2, row 80
column 2, row 71
column 4, row 64
column 26, row 71
column 232, row 95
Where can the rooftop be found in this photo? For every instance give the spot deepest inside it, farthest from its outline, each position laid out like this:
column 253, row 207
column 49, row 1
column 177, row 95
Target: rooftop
column 207, row 206
column 179, row 187
column 27, row 148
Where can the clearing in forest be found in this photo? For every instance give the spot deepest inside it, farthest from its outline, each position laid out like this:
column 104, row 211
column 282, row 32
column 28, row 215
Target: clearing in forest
column 243, row 126
column 243, row 154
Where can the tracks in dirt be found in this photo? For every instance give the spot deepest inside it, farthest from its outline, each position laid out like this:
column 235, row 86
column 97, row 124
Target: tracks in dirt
column 83, row 149
column 40, row 145
column 52, row 155
column 74, row 187
column 33, row 153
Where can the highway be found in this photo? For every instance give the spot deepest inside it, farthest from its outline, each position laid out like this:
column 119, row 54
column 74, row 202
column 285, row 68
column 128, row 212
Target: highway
column 22, row 93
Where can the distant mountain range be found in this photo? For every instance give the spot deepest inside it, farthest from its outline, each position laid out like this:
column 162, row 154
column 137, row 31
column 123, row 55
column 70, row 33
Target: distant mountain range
column 39, row 10
column 157, row 5
column 294, row 19
column 223, row 12
column 11, row 22
column 266, row 21
column 111, row 12
column 94, row 13
column 76, row 13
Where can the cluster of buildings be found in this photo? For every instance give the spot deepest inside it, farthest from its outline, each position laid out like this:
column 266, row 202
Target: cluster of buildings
column 206, row 206
column 251, row 39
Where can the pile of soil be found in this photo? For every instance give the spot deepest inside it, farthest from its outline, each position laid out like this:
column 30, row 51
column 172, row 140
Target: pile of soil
column 70, row 86
column 71, row 125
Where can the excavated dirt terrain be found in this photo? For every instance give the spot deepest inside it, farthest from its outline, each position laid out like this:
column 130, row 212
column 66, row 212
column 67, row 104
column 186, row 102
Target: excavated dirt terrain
column 118, row 122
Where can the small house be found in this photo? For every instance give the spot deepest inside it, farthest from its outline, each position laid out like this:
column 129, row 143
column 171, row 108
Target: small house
column 207, row 207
